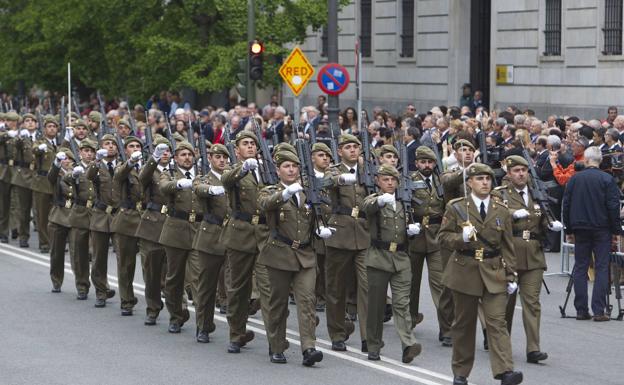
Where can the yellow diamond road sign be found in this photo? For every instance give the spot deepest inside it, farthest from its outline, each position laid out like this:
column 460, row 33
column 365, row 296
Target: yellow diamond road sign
column 296, row 71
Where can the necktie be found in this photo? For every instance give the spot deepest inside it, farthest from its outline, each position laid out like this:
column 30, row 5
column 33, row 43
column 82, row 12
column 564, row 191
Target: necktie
column 352, row 170
column 188, row 175
column 428, row 181
column 295, row 200
column 111, row 170
column 253, row 172
column 522, row 196
column 482, row 211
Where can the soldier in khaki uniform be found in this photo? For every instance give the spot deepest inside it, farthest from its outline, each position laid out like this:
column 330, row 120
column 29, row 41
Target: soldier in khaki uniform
column 348, row 247
column 481, row 270
column 425, row 246
column 183, row 218
column 529, row 229
column 208, row 253
column 6, row 171
column 290, row 259
column 58, row 224
column 44, row 151
column 101, row 173
column 83, row 196
column 387, row 262
column 153, row 255
column 78, row 133
column 127, row 194
column 94, row 121
column 244, row 235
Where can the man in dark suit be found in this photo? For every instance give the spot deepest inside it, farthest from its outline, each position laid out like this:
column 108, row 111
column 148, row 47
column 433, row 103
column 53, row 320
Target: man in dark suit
column 412, row 143
column 591, row 214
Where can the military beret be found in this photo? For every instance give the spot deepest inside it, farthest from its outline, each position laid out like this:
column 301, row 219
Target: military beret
column 178, row 137
column 129, row 139
column 284, row 147
column 88, row 143
column 50, row 119
column 219, row 149
column 67, row 152
column 463, row 143
column 316, row 147
column 75, row 115
column 159, row 139
column 29, row 115
column 184, row 145
column 424, row 152
column 12, row 116
column 124, row 122
column 479, row 169
column 246, row 134
column 95, row 116
column 106, row 137
column 348, row 138
column 80, row 123
column 283, row 156
column 388, row 148
column 515, row 160
column 386, row 169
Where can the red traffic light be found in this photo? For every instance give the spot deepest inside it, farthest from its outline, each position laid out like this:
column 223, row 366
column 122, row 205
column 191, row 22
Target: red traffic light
column 256, row 47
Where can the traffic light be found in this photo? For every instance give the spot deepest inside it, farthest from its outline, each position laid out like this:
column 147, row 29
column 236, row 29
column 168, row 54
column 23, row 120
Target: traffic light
column 256, row 48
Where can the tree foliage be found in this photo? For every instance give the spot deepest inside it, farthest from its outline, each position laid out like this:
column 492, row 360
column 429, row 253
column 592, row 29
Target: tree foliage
column 137, row 48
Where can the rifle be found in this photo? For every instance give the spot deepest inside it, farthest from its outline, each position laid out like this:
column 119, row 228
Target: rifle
column 407, row 186
column 334, row 145
column 149, row 140
column 103, row 124
column 120, row 147
column 75, row 103
column 268, row 170
column 202, row 152
column 131, row 119
column 312, row 134
column 538, row 190
column 369, row 167
column 312, row 185
column 170, row 135
column 39, row 123
column 190, row 135
column 228, row 143
column 482, row 147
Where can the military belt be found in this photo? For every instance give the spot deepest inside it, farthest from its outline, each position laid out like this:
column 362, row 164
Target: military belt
column 60, row 203
column 354, row 212
column 42, row 173
column 213, row 219
column 293, row 244
column 83, row 203
column 104, row 207
column 525, row 234
column 253, row 219
column 389, row 246
column 21, row 164
column 480, row 254
column 130, row 205
column 152, row 206
column 192, row 217
column 428, row 220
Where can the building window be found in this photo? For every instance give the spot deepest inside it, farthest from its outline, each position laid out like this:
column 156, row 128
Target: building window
column 552, row 29
column 366, row 12
column 613, row 27
column 407, row 28
column 324, row 41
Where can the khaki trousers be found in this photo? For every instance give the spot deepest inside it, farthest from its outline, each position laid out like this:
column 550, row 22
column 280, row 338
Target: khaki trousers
column 59, row 236
column 23, row 207
column 153, row 263
column 43, row 204
column 79, row 257
column 127, row 249
column 529, row 287
column 174, row 284
column 204, row 270
column 99, row 266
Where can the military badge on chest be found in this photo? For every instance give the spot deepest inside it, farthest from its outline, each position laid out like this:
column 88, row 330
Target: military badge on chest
column 537, row 209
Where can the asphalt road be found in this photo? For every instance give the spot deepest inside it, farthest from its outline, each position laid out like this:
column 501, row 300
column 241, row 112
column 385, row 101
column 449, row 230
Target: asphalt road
column 48, row 338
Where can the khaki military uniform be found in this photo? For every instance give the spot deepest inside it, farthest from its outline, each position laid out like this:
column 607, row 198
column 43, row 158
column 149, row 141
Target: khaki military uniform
column 5, row 184
column 479, row 272
column 291, row 262
column 41, row 186
column 153, row 256
column 208, row 253
column 183, row 219
column 425, row 246
column 100, row 224
column 83, row 197
column 21, row 179
column 59, row 226
column 346, row 250
column 318, row 244
column 528, row 233
column 127, row 194
column 244, row 235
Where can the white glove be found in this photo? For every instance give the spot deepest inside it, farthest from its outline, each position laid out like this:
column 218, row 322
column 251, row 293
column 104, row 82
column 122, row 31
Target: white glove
column 42, row 147
column 135, row 157
column 69, row 133
column 325, row 232
column 24, row 133
column 413, row 229
column 184, row 184
column 101, row 154
column 555, row 226
column 291, row 190
column 385, row 199
column 511, row 287
column 519, row 214
column 467, row 232
column 77, row 171
column 216, row 190
column 59, row 158
column 348, row 178
column 12, row 133
column 250, row 164
column 159, row 151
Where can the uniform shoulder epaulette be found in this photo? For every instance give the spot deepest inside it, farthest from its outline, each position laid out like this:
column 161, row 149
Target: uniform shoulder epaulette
column 455, row 200
column 503, row 187
column 499, row 199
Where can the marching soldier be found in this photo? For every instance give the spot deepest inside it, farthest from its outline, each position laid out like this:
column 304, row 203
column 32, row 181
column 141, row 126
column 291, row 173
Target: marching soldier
column 101, row 173
column 481, row 270
column 44, row 151
column 94, row 121
column 387, row 262
column 80, row 216
column 5, row 185
column 181, row 225
column 153, row 255
column 245, row 233
column 8, row 198
column 348, row 247
column 424, row 246
column 290, row 260
column 21, row 177
column 388, row 154
column 208, row 253
column 58, row 224
column 529, row 228
column 78, row 133
column 127, row 193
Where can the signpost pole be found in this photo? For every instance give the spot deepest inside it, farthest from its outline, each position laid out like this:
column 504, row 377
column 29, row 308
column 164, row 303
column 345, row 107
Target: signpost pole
column 296, row 111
